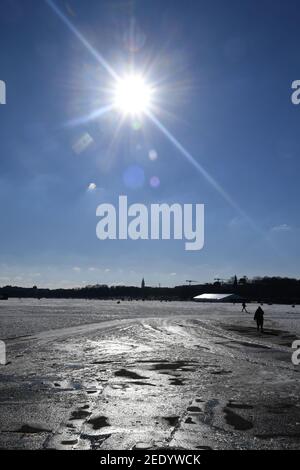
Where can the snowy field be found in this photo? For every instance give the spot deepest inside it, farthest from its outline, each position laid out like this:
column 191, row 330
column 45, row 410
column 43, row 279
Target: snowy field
column 107, row 375
column 21, row 317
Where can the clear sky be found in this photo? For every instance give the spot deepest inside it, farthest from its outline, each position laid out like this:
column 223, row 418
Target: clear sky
column 222, row 73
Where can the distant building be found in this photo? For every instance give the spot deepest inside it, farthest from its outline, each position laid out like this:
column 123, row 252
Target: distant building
column 143, row 283
column 218, row 298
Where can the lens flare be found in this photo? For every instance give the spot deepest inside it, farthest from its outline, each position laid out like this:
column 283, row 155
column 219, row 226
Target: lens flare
column 134, row 177
column 132, row 95
column 154, row 182
column 153, row 155
column 92, row 187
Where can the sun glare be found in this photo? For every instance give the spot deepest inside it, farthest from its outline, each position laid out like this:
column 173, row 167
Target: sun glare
column 132, row 95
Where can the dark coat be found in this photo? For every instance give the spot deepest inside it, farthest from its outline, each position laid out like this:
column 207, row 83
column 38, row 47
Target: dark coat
column 259, row 315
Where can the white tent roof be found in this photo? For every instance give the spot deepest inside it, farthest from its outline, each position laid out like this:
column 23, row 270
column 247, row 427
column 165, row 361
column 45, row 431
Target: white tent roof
column 213, row 296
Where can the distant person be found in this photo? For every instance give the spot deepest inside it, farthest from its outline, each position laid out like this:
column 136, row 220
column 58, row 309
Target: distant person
column 259, row 318
column 244, row 309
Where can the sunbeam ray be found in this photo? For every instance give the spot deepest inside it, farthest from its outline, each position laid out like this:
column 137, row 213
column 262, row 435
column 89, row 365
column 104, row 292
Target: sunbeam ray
column 82, row 39
column 90, row 117
column 209, row 178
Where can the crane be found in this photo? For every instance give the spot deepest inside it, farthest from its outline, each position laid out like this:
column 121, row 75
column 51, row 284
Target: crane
column 190, row 281
column 219, row 279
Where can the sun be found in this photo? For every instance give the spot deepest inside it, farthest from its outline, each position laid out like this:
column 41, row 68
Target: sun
column 132, row 95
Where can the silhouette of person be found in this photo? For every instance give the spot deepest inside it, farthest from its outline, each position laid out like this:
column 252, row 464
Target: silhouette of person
column 259, row 318
column 244, row 309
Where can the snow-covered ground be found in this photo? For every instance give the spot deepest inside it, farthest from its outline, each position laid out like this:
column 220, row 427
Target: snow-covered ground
column 20, row 317
column 98, row 374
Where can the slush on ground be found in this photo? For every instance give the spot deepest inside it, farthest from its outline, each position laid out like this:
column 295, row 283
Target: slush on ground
column 104, row 375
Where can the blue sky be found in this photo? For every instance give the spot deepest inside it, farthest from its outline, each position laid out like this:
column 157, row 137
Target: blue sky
column 223, row 74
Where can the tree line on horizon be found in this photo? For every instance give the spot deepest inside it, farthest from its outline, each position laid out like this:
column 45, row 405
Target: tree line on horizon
column 261, row 289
